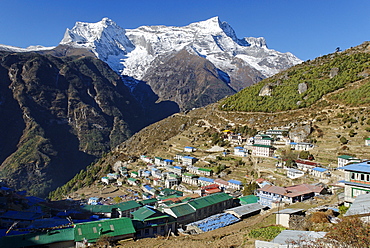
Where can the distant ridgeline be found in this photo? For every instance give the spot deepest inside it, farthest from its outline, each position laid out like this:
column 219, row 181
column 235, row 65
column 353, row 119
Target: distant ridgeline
column 304, row 84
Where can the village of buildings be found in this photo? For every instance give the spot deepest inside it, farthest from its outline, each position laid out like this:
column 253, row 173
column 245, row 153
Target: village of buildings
column 176, row 196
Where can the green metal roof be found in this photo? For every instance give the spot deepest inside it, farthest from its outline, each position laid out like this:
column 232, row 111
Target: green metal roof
column 204, row 169
column 209, row 200
column 189, row 174
column 143, row 213
column 112, row 227
column 167, row 191
column 248, row 199
column 98, row 208
column 123, row 206
column 147, row 201
column 134, row 172
column 259, row 145
column 36, row 239
column 182, row 210
column 345, row 156
column 132, row 179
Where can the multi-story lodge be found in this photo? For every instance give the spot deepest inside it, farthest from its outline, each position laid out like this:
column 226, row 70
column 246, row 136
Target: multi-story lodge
column 262, row 150
column 357, row 180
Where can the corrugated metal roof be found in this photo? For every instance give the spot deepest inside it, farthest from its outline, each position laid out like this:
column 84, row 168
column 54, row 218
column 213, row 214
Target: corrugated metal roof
column 112, row 227
column 248, row 199
column 245, row 209
column 266, row 146
column 287, row 236
column 319, row 169
column 123, row 206
column 360, row 206
column 210, row 180
column 189, row 157
column 147, row 201
column 289, row 211
column 143, row 213
column 235, row 182
column 36, row 239
column 359, row 167
column 209, row 200
column 292, row 191
column 181, row 210
column 345, row 156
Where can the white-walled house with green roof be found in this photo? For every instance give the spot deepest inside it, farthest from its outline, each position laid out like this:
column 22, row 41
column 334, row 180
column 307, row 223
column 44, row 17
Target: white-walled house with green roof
column 346, row 159
column 262, row 150
column 189, row 178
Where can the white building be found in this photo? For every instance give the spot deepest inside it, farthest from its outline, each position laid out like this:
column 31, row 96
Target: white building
column 189, row 149
column 294, row 173
column 346, row 159
column 240, row 151
column 262, row 150
column 169, row 182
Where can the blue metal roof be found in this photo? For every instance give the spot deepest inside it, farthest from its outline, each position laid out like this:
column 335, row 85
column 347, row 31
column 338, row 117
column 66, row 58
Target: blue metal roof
column 319, row 169
column 189, row 147
column 206, row 179
column 177, row 167
column 168, row 160
column 360, row 167
column 235, row 182
column 189, row 157
column 148, row 187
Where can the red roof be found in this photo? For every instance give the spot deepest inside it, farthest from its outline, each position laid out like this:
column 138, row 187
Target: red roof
column 306, row 162
column 212, row 191
column 211, row 186
column 292, row 191
column 260, row 180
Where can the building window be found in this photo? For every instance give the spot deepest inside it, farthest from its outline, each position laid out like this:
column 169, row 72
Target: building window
column 352, row 175
column 362, row 177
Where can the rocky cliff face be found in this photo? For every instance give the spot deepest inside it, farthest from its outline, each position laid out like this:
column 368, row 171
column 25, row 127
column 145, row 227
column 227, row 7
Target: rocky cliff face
column 187, row 79
column 59, row 114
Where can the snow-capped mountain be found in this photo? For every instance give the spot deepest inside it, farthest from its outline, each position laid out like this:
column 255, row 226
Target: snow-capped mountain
column 131, row 51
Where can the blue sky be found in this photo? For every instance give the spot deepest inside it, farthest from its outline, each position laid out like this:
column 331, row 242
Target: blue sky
column 307, row 28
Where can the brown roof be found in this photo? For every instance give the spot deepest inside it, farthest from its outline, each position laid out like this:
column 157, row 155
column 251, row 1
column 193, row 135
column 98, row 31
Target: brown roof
column 292, row 191
column 260, row 180
column 221, row 181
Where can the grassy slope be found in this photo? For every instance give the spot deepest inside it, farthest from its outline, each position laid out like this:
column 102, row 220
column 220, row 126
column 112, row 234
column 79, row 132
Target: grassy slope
column 318, row 75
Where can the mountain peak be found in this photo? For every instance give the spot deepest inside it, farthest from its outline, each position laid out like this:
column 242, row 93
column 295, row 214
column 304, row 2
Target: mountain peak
column 131, row 51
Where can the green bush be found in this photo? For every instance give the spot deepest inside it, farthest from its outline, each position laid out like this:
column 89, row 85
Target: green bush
column 266, row 233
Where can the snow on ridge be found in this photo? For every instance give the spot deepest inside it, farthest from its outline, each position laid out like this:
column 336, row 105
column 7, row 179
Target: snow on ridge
column 130, row 51
column 23, row 50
